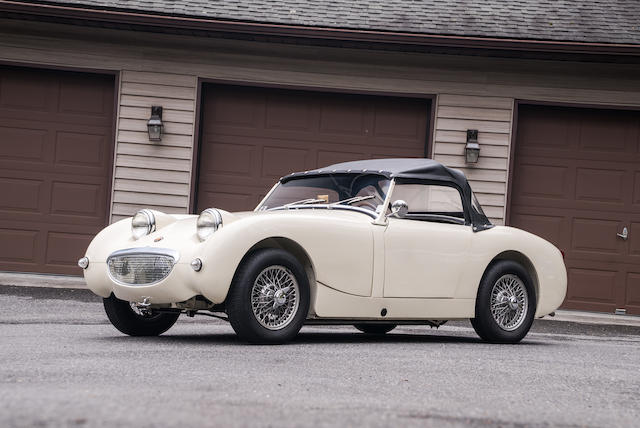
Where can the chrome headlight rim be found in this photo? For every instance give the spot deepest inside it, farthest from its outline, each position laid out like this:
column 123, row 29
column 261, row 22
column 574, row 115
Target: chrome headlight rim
column 208, row 222
column 143, row 223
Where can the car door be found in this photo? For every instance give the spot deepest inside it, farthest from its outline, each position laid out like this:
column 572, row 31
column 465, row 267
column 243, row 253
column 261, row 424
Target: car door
column 426, row 251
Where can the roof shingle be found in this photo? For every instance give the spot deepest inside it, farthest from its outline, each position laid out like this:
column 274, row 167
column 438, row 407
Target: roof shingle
column 600, row 21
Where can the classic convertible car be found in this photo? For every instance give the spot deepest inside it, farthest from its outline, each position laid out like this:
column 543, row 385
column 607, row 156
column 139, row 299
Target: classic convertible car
column 373, row 243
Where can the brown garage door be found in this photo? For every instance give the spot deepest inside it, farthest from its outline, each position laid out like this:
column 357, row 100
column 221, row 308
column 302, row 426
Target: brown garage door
column 576, row 182
column 253, row 136
column 55, row 155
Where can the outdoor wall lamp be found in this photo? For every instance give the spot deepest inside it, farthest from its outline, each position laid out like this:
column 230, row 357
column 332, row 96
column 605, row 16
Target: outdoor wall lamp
column 155, row 127
column 472, row 149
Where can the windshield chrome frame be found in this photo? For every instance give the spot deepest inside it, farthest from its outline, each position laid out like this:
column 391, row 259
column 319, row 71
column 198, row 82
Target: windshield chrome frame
column 257, row 208
column 381, row 218
column 373, row 214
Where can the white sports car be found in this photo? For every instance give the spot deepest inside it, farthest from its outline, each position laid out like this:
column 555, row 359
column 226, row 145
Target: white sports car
column 372, row 243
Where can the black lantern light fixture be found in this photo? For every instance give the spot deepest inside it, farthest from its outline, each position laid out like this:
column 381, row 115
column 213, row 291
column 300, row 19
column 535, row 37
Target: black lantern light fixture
column 472, row 149
column 155, row 127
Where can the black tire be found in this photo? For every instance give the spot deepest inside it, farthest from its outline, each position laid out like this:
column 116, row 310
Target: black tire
column 123, row 317
column 485, row 323
column 377, row 329
column 239, row 309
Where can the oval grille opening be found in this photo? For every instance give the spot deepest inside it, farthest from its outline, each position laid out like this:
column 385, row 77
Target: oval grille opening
column 140, row 269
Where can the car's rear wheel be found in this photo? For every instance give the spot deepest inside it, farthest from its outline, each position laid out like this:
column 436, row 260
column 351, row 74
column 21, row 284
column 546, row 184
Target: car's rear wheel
column 378, row 329
column 269, row 299
column 506, row 303
column 126, row 318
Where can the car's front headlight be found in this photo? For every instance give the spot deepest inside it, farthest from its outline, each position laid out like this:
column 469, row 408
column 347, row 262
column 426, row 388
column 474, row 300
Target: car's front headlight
column 143, row 223
column 208, row 222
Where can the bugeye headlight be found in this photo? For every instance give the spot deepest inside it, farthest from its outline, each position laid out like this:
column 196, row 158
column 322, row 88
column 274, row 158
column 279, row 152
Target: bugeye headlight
column 143, row 223
column 208, row 222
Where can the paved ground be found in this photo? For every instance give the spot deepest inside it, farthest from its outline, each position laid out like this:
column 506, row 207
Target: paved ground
column 62, row 364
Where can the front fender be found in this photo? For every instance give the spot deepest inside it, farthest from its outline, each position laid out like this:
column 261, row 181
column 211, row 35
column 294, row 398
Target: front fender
column 340, row 248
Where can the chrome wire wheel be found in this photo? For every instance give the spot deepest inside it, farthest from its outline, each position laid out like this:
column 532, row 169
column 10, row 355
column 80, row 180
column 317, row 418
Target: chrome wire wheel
column 509, row 302
column 275, row 297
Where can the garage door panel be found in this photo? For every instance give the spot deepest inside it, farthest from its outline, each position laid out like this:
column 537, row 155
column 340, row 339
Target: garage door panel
column 405, row 123
column 65, row 248
column 276, row 161
column 253, row 136
column 535, row 131
column 608, row 131
column 545, row 226
column 289, row 112
column 636, row 188
column 242, row 113
column 21, row 92
column 86, row 96
column 22, row 143
column 601, row 185
column 227, row 133
column 634, row 244
column 596, row 235
column 228, row 200
column 77, row 199
column 20, row 195
column 344, row 118
column 18, row 245
column 633, row 293
column 81, row 149
column 542, row 181
column 327, row 157
column 579, row 165
column 226, row 158
column 597, row 287
column 55, row 155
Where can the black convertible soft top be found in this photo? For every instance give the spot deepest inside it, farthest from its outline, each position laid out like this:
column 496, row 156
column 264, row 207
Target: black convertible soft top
column 410, row 169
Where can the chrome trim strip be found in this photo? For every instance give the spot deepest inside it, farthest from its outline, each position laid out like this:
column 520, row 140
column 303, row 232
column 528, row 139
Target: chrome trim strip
column 175, row 255
column 370, row 213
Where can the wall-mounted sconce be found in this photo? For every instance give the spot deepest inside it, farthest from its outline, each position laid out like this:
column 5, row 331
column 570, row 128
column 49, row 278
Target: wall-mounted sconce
column 155, row 127
column 472, row 149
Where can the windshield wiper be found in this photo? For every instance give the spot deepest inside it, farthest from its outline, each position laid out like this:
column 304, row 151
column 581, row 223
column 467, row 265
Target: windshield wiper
column 304, row 202
column 350, row 201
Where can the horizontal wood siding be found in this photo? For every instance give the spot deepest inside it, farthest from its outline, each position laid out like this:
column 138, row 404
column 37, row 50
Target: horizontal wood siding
column 147, row 174
column 492, row 117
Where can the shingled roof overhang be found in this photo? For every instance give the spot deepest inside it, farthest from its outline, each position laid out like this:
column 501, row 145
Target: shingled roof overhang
column 159, row 22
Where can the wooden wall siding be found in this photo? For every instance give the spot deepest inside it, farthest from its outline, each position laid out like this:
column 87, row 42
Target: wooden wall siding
column 156, row 175
column 492, row 117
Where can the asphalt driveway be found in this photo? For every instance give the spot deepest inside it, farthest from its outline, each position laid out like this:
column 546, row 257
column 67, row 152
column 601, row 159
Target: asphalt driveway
column 63, row 364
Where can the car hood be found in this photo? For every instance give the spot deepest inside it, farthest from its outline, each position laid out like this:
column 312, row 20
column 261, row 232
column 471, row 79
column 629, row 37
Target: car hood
column 178, row 231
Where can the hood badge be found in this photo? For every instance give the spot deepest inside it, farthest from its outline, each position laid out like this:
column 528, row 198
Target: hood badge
column 158, row 239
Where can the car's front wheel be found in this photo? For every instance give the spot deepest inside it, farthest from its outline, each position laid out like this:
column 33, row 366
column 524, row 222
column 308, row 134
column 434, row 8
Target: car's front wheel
column 269, row 298
column 377, row 329
column 131, row 321
column 506, row 303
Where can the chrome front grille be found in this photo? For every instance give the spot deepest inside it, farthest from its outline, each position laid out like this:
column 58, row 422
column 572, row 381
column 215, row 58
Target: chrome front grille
column 141, row 266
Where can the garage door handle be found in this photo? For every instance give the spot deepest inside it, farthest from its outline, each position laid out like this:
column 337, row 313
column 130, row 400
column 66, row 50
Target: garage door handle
column 625, row 233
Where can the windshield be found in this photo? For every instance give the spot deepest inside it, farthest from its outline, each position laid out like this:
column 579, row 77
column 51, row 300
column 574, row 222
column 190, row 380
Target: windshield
column 357, row 190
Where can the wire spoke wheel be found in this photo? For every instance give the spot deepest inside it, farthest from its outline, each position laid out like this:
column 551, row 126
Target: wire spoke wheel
column 275, row 297
column 509, row 302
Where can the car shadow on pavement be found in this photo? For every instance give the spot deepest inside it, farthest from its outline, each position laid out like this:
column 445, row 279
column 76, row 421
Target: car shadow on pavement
column 307, row 338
